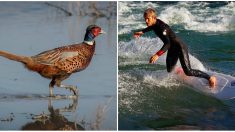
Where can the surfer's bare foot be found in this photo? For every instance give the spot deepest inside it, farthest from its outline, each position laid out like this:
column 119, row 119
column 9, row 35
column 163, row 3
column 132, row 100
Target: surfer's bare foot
column 212, row 81
column 179, row 70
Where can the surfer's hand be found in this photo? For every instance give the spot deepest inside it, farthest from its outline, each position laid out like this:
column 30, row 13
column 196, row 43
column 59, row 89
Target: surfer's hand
column 138, row 34
column 153, row 59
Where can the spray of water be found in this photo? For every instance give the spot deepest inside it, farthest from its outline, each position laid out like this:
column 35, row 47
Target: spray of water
column 197, row 16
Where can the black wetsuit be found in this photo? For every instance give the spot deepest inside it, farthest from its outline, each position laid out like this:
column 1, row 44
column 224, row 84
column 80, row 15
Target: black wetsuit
column 176, row 49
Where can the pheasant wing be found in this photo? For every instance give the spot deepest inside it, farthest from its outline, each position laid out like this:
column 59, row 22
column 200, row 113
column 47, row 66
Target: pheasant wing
column 48, row 57
column 65, row 58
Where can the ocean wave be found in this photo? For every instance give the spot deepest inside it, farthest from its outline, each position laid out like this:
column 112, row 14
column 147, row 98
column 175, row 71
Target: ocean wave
column 201, row 20
column 143, row 47
column 131, row 87
column 196, row 16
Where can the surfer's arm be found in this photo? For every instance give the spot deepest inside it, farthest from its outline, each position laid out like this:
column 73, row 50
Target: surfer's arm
column 166, row 40
column 138, row 34
column 154, row 58
column 141, row 32
column 164, row 48
column 147, row 29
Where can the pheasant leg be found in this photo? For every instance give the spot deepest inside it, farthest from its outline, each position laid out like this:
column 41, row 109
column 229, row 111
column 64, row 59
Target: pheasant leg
column 71, row 88
column 51, row 91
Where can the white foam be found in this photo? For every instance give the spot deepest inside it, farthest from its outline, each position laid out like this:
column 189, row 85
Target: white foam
column 174, row 15
column 123, row 7
column 128, row 19
column 128, row 85
column 160, row 79
column 205, row 20
column 131, row 86
column 146, row 47
column 197, row 16
column 139, row 46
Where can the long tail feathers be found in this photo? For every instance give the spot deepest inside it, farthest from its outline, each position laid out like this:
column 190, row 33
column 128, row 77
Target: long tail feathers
column 10, row 56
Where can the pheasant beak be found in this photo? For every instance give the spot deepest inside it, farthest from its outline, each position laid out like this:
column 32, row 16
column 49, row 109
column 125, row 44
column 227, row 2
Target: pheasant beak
column 102, row 32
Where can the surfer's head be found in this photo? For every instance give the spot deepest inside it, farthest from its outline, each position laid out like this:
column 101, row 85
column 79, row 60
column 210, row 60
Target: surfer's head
column 150, row 16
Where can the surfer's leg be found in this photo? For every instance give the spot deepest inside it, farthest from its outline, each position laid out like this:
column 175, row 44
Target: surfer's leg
column 185, row 63
column 171, row 59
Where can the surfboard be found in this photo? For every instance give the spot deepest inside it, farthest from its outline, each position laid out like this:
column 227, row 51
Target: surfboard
column 224, row 89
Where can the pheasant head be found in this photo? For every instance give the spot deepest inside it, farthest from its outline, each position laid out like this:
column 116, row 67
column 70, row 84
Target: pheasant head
column 92, row 31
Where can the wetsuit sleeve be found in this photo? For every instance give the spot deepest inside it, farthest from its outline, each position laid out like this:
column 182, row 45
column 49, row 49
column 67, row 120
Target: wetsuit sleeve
column 164, row 48
column 166, row 40
column 147, row 29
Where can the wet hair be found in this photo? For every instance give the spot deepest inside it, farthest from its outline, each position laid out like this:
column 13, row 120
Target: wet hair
column 150, row 12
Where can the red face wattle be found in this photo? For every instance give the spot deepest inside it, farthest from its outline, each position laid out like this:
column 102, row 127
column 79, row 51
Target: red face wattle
column 96, row 31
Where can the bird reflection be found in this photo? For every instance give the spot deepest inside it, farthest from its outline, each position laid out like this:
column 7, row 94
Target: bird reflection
column 54, row 120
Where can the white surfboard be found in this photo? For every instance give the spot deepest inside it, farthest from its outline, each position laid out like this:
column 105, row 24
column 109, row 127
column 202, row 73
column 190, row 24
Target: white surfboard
column 224, row 89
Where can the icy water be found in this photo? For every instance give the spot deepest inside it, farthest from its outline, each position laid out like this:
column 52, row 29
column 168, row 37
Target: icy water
column 151, row 99
column 28, row 28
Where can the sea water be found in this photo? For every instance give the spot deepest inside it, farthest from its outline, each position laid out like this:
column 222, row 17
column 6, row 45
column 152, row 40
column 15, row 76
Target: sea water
column 151, row 99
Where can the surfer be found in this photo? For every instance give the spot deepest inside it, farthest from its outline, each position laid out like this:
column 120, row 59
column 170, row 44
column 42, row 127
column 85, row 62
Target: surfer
column 176, row 48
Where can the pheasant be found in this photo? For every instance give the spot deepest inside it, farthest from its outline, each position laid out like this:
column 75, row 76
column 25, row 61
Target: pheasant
column 59, row 63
